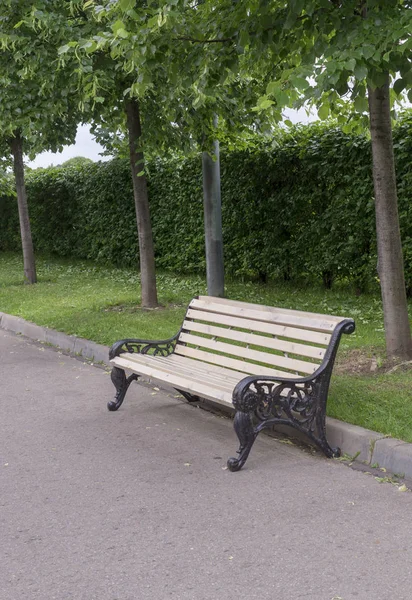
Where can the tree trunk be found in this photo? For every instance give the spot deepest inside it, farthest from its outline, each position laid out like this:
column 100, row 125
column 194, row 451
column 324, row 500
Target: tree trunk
column 391, row 270
column 16, row 146
column 141, row 199
column 213, row 223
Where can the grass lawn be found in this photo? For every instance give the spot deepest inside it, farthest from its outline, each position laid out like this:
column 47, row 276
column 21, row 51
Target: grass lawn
column 101, row 304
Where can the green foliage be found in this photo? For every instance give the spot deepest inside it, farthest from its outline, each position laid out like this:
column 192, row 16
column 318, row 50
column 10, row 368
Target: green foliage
column 9, row 224
column 301, row 209
column 39, row 101
column 6, row 178
column 130, row 50
column 77, row 161
column 321, row 52
column 402, row 142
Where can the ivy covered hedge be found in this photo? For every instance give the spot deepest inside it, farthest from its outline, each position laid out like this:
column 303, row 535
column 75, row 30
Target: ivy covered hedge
column 303, row 209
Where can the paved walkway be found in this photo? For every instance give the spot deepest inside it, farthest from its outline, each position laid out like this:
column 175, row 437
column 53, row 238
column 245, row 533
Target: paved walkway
column 138, row 505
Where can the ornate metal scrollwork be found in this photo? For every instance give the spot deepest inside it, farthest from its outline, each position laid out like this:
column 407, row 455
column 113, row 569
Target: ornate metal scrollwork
column 154, row 349
column 298, row 404
column 150, row 347
column 134, row 346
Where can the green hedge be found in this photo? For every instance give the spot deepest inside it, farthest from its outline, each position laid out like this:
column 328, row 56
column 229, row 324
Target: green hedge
column 304, row 209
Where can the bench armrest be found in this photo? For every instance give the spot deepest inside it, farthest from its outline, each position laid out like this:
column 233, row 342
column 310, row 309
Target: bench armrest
column 138, row 346
column 251, row 391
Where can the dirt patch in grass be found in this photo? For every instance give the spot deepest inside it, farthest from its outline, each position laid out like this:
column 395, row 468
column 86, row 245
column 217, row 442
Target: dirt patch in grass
column 132, row 308
column 369, row 361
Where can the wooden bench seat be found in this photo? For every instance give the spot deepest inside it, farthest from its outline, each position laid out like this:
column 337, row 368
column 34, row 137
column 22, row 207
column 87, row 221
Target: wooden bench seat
column 272, row 365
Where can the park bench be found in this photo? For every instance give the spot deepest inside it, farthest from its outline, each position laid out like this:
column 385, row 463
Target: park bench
column 272, row 365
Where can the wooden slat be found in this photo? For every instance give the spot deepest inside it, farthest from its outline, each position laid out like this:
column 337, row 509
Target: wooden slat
column 293, row 333
column 224, row 372
column 183, row 364
column 274, row 309
column 215, row 372
column 231, row 363
column 200, row 373
column 256, row 340
column 251, row 355
column 265, row 314
column 186, row 384
column 157, row 367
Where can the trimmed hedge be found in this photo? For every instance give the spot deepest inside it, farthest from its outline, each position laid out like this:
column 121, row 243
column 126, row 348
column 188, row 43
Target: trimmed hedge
column 302, row 210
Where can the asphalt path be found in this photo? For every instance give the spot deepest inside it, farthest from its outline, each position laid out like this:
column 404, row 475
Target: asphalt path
column 138, row 504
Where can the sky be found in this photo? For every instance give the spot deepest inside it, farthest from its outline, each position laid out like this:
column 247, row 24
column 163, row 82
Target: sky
column 86, row 146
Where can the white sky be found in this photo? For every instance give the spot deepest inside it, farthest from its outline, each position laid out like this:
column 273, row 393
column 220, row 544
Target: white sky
column 86, row 146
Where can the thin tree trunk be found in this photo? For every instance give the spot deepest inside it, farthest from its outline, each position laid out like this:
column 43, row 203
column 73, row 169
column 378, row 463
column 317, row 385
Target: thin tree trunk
column 391, row 269
column 213, row 223
column 141, row 199
column 16, row 146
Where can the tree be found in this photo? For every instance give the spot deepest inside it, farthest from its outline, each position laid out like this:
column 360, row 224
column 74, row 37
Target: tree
column 144, row 226
column 118, row 97
column 116, row 117
column 142, row 65
column 36, row 112
column 337, row 56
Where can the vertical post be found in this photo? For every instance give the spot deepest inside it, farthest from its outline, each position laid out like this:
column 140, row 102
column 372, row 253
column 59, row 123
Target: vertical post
column 213, row 221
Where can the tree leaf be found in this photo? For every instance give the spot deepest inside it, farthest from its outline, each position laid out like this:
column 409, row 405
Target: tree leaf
column 399, row 86
column 126, row 5
column 361, row 104
column 360, row 71
column 324, row 111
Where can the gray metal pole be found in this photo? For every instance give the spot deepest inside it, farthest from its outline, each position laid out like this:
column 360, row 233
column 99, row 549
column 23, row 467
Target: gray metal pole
column 213, row 222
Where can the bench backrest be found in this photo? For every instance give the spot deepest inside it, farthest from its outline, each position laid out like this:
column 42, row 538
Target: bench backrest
column 255, row 339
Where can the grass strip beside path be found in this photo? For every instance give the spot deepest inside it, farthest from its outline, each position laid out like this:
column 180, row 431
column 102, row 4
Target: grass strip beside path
column 101, row 304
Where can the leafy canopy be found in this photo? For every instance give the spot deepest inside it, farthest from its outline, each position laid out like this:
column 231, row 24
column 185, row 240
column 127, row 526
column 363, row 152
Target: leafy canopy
column 320, row 52
column 126, row 49
column 37, row 99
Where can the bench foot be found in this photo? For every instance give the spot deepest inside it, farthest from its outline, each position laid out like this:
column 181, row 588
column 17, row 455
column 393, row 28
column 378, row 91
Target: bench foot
column 121, row 383
column 334, row 452
column 328, row 450
column 246, row 433
column 318, row 435
column 188, row 397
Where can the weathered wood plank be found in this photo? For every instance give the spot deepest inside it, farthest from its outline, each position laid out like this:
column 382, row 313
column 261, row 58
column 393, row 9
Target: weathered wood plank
column 188, row 384
column 293, row 333
column 276, row 360
column 231, row 363
column 255, row 340
column 183, row 364
column 274, row 309
column 198, row 383
column 267, row 315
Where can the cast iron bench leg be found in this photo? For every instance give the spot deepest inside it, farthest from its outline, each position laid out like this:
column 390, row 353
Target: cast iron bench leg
column 321, row 440
column 121, row 383
column 246, row 433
